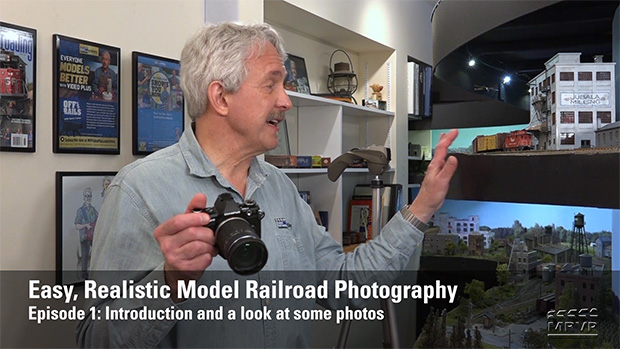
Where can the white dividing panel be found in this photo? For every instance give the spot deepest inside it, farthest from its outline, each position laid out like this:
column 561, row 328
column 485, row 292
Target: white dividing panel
column 353, row 131
column 292, row 126
column 362, row 131
column 379, row 130
column 319, row 131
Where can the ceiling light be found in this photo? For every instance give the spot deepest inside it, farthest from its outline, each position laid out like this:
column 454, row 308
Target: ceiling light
column 506, row 79
column 472, row 62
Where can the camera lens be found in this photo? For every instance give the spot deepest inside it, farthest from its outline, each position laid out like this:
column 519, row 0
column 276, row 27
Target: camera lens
column 248, row 257
column 241, row 246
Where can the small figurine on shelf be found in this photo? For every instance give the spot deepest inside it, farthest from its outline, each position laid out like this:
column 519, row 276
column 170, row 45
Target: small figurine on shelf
column 376, row 91
column 375, row 100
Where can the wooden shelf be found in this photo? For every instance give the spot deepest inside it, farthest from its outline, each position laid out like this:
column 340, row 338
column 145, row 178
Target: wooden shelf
column 578, row 178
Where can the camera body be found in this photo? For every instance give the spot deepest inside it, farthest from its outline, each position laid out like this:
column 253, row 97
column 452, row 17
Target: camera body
column 237, row 229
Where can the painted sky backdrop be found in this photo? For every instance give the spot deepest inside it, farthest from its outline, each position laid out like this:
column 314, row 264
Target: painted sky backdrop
column 467, row 135
column 503, row 214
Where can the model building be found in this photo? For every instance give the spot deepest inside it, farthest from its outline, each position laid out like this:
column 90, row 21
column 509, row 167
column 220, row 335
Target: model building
column 571, row 100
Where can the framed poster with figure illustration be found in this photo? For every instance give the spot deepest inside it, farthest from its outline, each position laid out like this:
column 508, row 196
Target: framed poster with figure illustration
column 79, row 196
column 86, row 97
column 158, row 103
column 18, row 88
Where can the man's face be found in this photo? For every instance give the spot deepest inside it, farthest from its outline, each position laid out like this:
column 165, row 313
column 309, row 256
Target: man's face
column 88, row 198
column 105, row 60
column 258, row 107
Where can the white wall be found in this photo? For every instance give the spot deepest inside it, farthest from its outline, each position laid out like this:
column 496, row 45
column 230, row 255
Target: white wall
column 27, row 180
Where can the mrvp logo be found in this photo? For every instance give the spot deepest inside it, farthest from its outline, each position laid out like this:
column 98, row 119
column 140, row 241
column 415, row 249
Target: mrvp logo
column 572, row 322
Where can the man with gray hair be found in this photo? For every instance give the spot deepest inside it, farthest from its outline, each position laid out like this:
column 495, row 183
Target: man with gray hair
column 232, row 77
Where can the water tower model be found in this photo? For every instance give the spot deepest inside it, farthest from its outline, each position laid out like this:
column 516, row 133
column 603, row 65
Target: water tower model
column 578, row 241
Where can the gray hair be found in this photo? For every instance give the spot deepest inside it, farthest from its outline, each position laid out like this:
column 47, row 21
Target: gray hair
column 219, row 53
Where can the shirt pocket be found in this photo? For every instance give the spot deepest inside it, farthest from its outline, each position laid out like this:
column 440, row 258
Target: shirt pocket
column 292, row 251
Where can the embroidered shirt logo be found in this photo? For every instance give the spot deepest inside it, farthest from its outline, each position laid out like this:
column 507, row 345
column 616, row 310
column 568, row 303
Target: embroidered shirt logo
column 282, row 223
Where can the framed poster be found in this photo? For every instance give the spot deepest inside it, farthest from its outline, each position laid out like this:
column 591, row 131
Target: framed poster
column 158, row 103
column 18, row 68
column 360, row 216
column 79, row 196
column 87, row 95
column 297, row 75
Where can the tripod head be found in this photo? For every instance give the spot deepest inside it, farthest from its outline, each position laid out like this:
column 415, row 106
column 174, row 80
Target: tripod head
column 377, row 158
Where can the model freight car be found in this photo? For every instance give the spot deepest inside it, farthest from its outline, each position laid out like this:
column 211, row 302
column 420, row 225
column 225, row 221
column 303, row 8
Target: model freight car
column 514, row 140
column 490, row 143
column 520, row 140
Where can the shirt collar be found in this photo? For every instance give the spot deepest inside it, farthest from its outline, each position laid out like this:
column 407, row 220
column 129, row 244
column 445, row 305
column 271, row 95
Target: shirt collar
column 200, row 165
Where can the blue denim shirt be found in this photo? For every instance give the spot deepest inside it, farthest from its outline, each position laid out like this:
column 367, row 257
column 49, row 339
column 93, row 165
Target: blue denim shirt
column 151, row 190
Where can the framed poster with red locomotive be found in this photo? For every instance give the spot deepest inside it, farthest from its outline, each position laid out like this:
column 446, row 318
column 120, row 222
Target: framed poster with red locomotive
column 86, row 97
column 79, row 196
column 18, row 57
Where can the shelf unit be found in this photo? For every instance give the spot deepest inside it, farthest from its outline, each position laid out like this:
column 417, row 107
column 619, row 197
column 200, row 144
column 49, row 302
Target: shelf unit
column 326, row 127
column 321, row 126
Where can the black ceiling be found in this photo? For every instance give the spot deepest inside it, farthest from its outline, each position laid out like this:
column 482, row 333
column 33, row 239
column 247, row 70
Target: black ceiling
column 523, row 45
column 464, row 96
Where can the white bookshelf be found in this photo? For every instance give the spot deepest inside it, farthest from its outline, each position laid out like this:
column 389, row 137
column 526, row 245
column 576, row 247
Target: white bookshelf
column 329, row 128
column 326, row 127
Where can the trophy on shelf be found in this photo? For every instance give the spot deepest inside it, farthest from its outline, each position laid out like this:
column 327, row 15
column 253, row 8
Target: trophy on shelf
column 376, row 101
column 376, row 91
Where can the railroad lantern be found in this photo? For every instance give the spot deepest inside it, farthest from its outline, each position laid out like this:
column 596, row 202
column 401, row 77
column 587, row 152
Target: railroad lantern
column 342, row 80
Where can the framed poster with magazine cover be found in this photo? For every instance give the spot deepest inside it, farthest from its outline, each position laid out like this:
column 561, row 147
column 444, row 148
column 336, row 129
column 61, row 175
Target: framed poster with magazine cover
column 296, row 75
column 18, row 68
column 87, row 93
column 79, row 196
column 158, row 103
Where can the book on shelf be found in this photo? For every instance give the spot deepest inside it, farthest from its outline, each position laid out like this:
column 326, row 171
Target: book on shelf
column 305, row 196
column 321, row 217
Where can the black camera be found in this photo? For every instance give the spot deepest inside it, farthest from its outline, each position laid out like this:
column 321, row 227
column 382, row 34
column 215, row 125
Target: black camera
column 237, row 233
